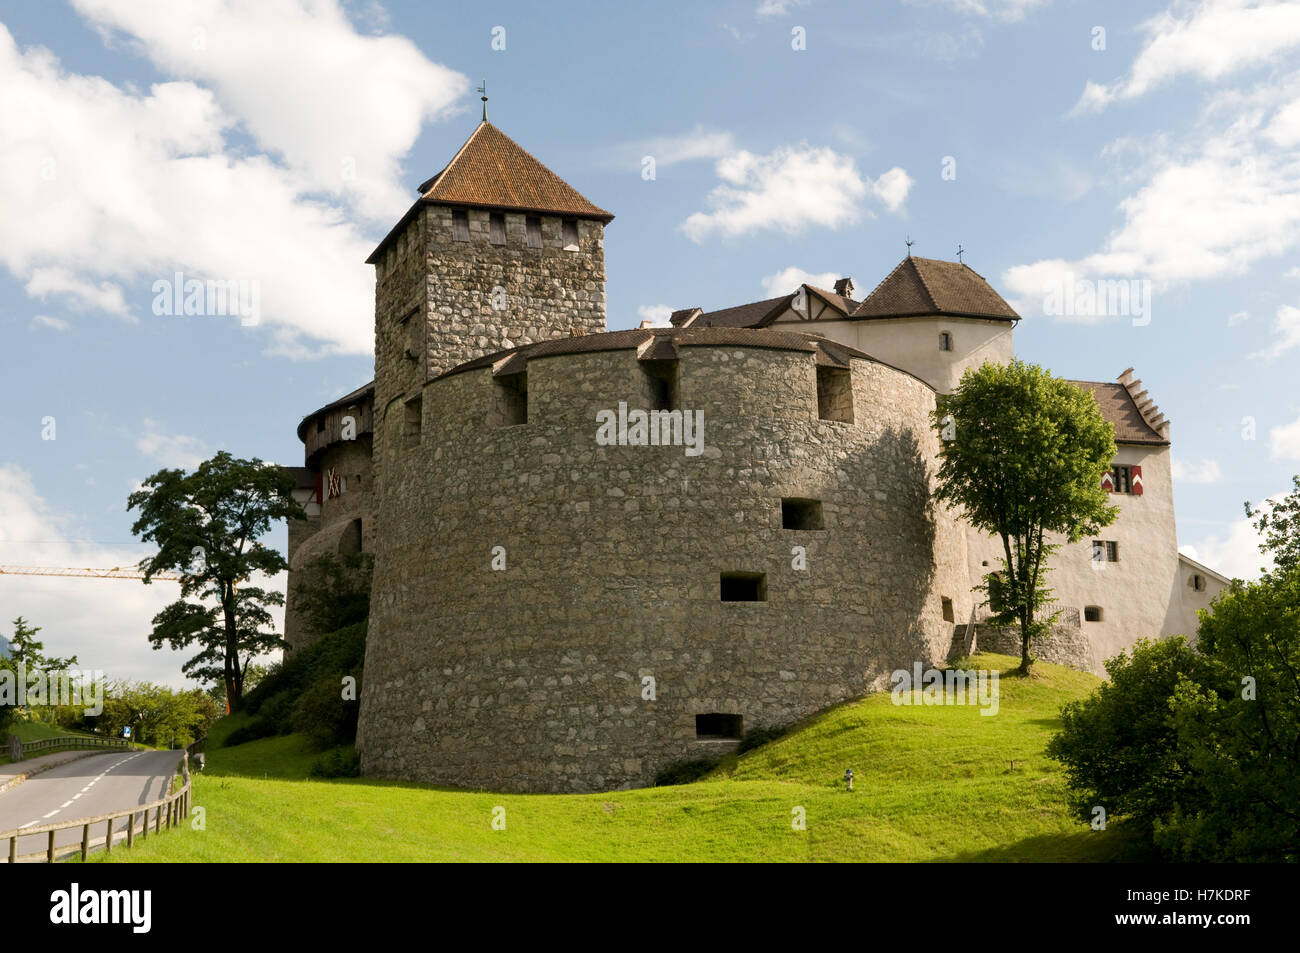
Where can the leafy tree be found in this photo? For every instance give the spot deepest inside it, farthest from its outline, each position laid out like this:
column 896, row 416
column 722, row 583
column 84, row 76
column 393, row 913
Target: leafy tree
column 335, row 591
column 1023, row 455
column 157, row 714
column 26, row 651
column 1280, row 527
column 207, row 526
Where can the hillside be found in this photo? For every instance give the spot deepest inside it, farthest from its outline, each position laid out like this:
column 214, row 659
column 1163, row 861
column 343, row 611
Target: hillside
column 933, row 784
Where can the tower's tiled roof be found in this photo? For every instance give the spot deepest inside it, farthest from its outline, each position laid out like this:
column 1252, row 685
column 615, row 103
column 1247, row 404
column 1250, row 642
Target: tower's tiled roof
column 493, row 171
column 921, row 286
column 1117, row 406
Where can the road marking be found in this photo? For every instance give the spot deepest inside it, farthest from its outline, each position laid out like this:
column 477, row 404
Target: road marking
column 27, row 825
column 51, row 814
column 64, row 804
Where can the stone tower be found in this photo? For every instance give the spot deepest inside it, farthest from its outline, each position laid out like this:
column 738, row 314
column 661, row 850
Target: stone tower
column 498, row 251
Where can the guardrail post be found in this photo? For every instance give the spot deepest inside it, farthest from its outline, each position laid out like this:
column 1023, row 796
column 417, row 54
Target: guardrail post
column 130, row 830
column 85, row 841
column 108, row 838
column 157, row 820
column 13, row 849
column 49, row 853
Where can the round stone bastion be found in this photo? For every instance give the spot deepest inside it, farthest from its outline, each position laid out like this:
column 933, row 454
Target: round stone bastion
column 561, row 603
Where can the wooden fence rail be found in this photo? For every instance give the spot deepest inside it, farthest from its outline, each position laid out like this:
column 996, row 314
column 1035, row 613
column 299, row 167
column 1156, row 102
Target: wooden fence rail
column 169, row 811
column 19, row 749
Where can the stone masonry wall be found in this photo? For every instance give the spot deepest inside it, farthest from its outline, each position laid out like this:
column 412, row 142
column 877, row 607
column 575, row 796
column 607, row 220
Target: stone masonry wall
column 531, row 678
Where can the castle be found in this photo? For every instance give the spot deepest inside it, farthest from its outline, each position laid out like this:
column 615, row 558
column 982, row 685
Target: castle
column 599, row 553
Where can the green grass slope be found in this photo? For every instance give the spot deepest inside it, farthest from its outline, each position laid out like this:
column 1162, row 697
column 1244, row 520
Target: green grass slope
column 933, row 783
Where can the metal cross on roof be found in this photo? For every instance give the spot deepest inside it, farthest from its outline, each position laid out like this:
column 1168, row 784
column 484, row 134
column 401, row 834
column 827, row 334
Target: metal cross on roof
column 909, row 246
column 483, row 89
column 959, row 251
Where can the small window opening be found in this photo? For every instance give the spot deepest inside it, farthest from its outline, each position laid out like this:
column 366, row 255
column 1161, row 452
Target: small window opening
column 570, row 234
column 834, row 394
column 661, row 379
column 1123, row 479
column 1198, row 582
column 497, row 228
column 743, row 587
column 533, row 226
column 1092, row 613
column 1105, row 550
column 945, row 341
column 460, row 225
column 801, row 514
column 413, row 421
column 947, row 610
column 512, row 399
column 719, row 725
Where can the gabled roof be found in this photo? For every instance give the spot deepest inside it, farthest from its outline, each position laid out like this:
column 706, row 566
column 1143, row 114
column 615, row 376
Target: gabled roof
column 1118, row 407
column 924, row 286
column 493, row 171
column 761, row 314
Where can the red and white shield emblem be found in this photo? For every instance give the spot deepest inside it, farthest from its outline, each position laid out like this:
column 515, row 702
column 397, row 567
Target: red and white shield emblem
column 1137, row 480
column 332, row 485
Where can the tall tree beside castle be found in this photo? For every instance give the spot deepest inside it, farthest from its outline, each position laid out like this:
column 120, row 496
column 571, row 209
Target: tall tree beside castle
column 26, row 651
column 207, row 525
column 1023, row 455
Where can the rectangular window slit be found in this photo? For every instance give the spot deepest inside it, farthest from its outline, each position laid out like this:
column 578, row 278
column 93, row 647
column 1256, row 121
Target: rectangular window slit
column 719, row 725
column 460, row 225
column 570, row 234
column 801, row 514
column 497, row 227
column 743, row 587
column 533, row 226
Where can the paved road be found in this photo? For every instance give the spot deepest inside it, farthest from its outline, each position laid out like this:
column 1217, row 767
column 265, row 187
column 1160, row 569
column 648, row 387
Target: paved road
column 99, row 784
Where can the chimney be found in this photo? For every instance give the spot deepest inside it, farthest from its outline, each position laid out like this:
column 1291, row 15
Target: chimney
column 844, row 287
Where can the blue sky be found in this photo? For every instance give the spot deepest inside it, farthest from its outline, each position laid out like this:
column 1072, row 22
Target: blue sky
column 276, row 142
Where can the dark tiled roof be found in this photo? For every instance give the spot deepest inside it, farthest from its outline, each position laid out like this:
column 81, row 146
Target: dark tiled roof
column 920, row 286
column 750, row 315
column 1117, row 406
column 491, row 170
column 363, row 394
column 847, row 305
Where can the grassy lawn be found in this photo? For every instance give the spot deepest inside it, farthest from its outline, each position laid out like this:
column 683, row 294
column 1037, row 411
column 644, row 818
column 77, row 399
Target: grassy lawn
column 933, row 783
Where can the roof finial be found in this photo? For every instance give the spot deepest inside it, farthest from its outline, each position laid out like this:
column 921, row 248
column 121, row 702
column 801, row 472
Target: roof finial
column 959, row 251
column 909, row 246
column 483, row 89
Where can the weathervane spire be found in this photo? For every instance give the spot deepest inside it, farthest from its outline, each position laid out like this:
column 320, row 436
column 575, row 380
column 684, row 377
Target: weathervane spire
column 959, row 251
column 483, row 89
column 909, row 246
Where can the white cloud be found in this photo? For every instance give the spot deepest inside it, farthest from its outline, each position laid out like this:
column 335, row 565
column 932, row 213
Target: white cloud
column 701, row 142
column 1292, row 272
column 341, row 108
column 1235, row 551
column 78, row 293
column 892, row 188
column 656, row 314
column 1238, row 317
column 1209, row 210
column 788, row 279
column 1009, row 10
column 105, row 623
column 790, row 189
column 777, row 8
column 1284, row 441
column 1209, row 40
column 1202, row 471
column 1287, row 327
column 45, row 321
column 147, row 179
column 177, row 451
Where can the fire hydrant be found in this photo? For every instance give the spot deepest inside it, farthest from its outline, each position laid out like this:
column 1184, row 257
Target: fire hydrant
column 848, row 778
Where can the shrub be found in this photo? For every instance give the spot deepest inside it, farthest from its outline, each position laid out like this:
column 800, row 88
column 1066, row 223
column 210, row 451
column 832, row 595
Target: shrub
column 337, row 763
column 760, row 736
column 324, row 716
